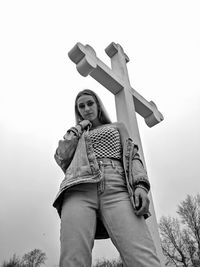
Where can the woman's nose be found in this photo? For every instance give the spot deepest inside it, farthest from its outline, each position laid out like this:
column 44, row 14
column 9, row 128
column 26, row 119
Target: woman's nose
column 87, row 107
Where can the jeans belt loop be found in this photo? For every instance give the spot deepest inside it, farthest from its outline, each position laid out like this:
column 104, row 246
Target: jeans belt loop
column 113, row 164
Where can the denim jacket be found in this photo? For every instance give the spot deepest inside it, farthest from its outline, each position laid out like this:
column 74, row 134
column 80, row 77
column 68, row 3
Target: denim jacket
column 84, row 168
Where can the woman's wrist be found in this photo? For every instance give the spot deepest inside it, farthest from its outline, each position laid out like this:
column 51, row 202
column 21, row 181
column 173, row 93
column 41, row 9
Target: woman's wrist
column 142, row 187
column 80, row 126
column 75, row 131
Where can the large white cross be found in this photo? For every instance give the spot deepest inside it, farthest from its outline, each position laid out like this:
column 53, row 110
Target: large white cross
column 127, row 101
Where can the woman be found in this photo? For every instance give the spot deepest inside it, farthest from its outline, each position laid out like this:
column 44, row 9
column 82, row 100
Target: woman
column 104, row 192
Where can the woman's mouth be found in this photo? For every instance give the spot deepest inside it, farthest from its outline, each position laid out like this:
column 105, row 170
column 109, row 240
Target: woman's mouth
column 88, row 114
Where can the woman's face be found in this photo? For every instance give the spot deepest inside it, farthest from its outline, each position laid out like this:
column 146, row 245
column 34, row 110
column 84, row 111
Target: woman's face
column 87, row 107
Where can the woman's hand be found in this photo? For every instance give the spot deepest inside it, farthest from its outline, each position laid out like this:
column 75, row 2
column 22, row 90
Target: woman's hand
column 141, row 202
column 78, row 129
column 85, row 123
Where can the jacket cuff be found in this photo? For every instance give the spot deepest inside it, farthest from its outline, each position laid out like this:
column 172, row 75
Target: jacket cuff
column 76, row 132
column 142, row 182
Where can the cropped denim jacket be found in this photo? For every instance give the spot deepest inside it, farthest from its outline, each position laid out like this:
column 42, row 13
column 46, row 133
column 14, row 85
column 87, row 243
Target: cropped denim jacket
column 84, row 168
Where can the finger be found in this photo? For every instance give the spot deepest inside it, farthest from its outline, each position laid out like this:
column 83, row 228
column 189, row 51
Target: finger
column 141, row 211
column 137, row 202
column 144, row 207
column 140, row 205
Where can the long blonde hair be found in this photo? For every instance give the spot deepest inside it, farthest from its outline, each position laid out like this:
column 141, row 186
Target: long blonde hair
column 102, row 113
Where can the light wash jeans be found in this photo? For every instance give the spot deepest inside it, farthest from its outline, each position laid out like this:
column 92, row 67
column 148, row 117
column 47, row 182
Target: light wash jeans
column 109, row 198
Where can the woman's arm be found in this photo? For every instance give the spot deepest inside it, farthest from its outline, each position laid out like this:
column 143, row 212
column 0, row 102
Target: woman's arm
column 67, row 147
column 140, row 178
column 141, row 187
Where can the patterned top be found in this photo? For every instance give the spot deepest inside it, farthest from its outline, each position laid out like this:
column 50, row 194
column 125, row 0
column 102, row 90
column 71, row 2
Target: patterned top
column 106, row 142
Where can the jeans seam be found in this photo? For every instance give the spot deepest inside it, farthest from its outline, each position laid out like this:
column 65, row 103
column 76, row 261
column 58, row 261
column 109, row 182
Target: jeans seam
column 113, row 237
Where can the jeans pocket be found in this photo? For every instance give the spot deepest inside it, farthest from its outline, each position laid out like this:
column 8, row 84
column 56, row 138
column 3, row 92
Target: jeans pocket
column 120, row 170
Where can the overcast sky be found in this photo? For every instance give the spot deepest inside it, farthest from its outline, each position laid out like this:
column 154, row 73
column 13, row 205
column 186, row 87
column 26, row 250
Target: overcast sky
column 37, row 89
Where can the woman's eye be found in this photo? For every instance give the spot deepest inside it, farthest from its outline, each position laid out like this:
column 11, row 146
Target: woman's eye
column 90, row 103
column 81, row 106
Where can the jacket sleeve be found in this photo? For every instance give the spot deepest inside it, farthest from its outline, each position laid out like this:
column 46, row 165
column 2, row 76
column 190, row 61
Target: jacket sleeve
column 139, row 173
column 65, row 150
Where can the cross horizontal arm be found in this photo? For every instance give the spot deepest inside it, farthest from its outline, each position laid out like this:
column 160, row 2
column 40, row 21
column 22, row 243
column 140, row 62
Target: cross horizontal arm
column 148, row 110
column 87, row 63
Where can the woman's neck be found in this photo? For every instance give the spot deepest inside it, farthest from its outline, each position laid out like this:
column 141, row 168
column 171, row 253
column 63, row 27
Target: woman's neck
column 96, row 123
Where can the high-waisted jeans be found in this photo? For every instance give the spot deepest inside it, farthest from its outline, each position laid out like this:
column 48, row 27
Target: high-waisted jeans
column 109, row 198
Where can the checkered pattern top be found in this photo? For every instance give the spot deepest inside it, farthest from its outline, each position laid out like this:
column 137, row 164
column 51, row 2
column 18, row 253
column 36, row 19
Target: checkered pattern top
column 106, row 142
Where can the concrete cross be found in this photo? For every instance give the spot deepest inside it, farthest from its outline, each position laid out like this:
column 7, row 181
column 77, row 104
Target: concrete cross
column 127, row 101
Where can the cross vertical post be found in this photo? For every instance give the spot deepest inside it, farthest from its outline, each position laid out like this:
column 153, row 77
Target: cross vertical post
column 127, row 102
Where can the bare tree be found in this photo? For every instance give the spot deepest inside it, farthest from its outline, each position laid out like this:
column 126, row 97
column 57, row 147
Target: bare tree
column 172, row 241
column 108, row 263
column 189, row 211
column 34, row 258
column 13, row 262
column 181, row 238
